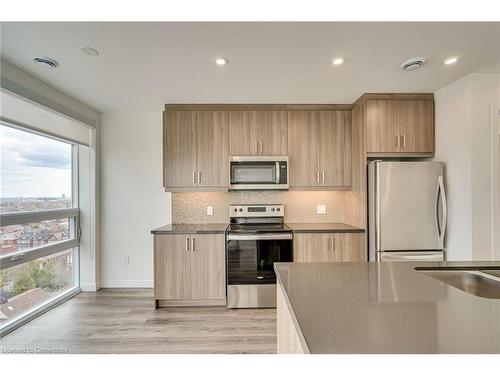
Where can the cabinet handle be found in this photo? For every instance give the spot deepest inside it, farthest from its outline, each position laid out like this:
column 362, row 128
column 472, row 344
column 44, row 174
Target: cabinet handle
column 317, row 177
column 192, row 244
column 187, row 244
column 261, row 147
column 199, row 177
column 398, row 142
column 404, row 140
column 333, row 243
column 194, row 177
column 256, row 147
column 323, row 176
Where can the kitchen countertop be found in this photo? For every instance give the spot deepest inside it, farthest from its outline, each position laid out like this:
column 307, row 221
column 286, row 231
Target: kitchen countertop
column 324, row 228
column 387, row 307
column 191, row 228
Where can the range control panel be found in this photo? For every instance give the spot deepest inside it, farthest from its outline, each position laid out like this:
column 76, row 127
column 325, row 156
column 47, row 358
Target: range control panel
column 261, row 210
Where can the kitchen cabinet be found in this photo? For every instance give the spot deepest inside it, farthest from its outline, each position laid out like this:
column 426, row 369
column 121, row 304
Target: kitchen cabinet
column 400, row 126
column 319, row 147
column 212, row 135
column 258, row 133
column 179, row 149
column 195, row 150
column 329, row 247
column 189, row 269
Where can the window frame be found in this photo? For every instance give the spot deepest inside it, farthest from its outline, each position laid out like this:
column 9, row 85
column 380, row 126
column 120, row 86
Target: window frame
column 28, row 255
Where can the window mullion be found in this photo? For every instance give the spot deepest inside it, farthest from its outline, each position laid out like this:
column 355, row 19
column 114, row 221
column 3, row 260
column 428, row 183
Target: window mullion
column 21, row 257
column 16, row 218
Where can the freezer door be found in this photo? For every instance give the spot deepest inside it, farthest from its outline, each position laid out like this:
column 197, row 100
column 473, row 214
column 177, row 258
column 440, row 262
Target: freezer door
column 411, row 256
column 407, row 204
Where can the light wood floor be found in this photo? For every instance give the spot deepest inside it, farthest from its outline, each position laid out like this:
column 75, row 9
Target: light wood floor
column 124, row 321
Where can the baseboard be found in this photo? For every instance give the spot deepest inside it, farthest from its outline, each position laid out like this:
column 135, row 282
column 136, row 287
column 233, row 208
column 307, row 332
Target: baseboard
column 90, row 287
column 126, row 283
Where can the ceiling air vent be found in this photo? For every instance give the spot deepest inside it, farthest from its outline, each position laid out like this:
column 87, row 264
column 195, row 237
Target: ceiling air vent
column 412, row 64
column 46, row 61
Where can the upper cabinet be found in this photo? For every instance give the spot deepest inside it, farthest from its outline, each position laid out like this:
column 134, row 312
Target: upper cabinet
column 258, row 133
column 399, row 124
column 319, row 139
column 179, row 149
column 195, row 150
column 319, row 148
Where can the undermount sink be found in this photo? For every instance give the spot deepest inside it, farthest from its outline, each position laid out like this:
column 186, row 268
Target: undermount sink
column 481, row 283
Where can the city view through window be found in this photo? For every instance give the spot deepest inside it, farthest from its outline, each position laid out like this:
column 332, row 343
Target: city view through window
column 35, row 175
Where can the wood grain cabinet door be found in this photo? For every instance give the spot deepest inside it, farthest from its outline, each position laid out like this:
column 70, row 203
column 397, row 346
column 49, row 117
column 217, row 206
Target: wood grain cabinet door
column 303, row 150
column 349, row 247
column 334, row 144
column 313, row 247
column 272, row 132
column 172, row 267
column 417, row 126
column 179, row 149
column 329, row 247
column 258, row 133
column 212, row 151
column 382, row 126
column 243, row 134
column 208, row 268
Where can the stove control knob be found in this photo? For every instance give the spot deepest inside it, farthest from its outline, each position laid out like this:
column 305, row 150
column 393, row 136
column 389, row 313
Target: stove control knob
column 272, row 209
column 235, row 210
column 241, row 209
column 278, row 209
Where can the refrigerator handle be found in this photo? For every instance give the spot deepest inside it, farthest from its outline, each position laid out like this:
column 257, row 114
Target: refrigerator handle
column 378, row 240
column 441, row 226
column 444, row 206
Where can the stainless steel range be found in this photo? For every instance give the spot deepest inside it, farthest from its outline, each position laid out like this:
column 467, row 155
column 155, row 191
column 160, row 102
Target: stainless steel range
column 256, row 238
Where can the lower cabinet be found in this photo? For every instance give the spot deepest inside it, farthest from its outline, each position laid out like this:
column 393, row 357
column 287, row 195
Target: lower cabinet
column 329, row 247
column 189, row 270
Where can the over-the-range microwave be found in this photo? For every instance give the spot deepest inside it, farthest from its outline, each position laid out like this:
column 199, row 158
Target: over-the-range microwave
column 258, row 173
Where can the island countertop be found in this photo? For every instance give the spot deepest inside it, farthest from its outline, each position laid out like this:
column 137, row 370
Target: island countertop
column 379, row 307
column 191, row 228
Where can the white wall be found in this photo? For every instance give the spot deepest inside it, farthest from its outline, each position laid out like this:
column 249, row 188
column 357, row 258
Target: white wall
column 463, row 138
column 133, row 199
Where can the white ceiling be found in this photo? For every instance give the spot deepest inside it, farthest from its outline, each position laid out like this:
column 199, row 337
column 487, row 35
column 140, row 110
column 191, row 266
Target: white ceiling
column 144, row 65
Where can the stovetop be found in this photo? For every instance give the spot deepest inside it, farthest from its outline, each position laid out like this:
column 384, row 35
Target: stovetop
column 258, row 228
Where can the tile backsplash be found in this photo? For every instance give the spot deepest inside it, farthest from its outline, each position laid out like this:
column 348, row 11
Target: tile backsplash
column 300, row 206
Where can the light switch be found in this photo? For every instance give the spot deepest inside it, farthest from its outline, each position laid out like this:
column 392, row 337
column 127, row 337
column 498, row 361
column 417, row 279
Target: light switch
column 126, row 260
column 210, row 210
column 321, row 209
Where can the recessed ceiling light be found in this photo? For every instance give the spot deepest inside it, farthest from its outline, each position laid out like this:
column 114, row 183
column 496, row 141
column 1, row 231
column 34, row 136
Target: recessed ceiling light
column 90, row 51
column 46, row 61
column 338, row 61
column 221, row 61
column 450, row 60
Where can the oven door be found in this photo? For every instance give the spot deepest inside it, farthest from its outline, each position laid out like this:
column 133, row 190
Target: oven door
column 259, row 172
column 250, row 258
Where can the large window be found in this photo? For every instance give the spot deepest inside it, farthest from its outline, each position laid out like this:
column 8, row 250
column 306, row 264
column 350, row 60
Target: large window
column 38, row 222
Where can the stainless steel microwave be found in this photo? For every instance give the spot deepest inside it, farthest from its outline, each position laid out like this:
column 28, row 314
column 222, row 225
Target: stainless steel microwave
column 258, row 173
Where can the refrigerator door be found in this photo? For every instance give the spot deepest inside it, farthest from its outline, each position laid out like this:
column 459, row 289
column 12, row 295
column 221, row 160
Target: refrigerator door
column 411, row 256
column 407, row 214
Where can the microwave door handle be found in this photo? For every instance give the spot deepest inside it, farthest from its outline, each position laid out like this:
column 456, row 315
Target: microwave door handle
column 277, row 172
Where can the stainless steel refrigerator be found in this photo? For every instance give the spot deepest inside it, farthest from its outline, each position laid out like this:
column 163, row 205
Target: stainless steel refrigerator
column 406, row 211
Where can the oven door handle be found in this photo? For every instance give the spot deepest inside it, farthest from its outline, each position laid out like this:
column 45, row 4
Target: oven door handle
column 262, row 236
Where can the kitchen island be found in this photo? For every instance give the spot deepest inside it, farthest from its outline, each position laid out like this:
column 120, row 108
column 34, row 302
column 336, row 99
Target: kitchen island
column 382, row 308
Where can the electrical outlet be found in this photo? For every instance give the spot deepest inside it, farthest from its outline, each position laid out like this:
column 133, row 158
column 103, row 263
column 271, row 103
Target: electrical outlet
column 210, row 210
column 321, row 209
column 126, row 260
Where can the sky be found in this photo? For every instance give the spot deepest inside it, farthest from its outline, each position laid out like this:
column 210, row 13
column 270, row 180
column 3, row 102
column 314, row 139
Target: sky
column 33, row 165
